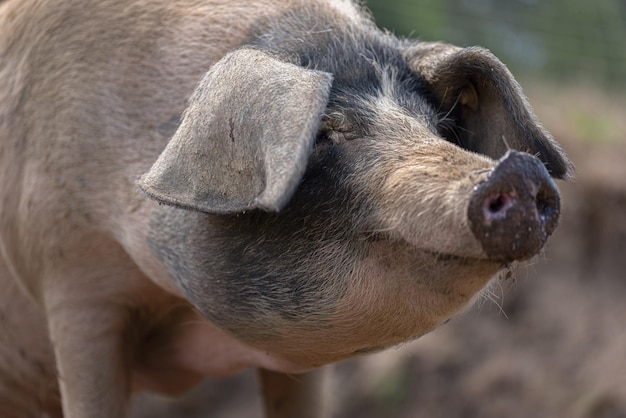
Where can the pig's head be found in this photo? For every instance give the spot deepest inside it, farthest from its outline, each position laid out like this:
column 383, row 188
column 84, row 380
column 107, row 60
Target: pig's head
column 333, row 200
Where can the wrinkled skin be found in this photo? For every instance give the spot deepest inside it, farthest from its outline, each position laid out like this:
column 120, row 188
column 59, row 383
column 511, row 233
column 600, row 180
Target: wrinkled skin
column 187, row 191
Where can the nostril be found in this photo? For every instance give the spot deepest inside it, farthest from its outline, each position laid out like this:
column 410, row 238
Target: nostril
column 548, row 203
column 496, row 206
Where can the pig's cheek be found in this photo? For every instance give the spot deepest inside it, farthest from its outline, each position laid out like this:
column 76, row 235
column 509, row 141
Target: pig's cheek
column 398, row 293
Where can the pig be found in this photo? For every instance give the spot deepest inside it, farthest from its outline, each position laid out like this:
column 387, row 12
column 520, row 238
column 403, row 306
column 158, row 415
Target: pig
column 190, row 188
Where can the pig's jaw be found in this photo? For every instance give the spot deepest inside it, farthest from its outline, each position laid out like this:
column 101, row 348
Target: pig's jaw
column 395, row 295
column 406, row 292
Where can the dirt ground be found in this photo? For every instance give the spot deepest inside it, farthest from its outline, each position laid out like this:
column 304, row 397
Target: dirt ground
column 550, row 343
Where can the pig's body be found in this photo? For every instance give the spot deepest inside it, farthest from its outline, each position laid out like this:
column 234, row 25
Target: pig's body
column 355, row 238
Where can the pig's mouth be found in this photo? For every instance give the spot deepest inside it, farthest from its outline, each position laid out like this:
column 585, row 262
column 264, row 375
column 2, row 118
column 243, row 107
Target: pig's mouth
column 470, row 256
column 460, row 259
column 402, row 258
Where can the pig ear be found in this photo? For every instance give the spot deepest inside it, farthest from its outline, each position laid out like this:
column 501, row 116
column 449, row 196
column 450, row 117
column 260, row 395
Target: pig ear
column 245, row 137
column 483, row 108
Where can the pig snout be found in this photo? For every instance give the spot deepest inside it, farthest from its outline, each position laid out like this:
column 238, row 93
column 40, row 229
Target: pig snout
column 514, row 211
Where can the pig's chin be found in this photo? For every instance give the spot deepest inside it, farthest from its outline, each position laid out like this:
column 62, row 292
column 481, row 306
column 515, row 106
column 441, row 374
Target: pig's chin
column 457, row 259
column 402, row 292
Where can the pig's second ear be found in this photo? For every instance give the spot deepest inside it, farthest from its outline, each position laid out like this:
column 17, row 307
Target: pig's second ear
column 482, row 107
column 245, row 138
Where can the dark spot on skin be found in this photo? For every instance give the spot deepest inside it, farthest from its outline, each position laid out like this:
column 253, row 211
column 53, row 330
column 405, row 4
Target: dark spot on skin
column 82, row 181
column 167, row 245
column 231, row 126
column 246, row 272
column 168, row 128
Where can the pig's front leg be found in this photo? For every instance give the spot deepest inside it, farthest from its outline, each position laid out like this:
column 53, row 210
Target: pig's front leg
column 302, row 395
column 92, row 375
column 87, row 312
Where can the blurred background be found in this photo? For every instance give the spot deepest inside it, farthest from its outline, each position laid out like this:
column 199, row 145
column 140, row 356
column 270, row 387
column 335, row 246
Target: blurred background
column 558, row 40
column 550, row 343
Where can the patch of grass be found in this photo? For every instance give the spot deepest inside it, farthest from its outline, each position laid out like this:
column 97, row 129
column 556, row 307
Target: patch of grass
column 392, row 391
column 593, row 128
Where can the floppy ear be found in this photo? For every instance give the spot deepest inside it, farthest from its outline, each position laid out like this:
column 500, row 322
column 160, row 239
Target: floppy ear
column 487, row 108
column 245, row 137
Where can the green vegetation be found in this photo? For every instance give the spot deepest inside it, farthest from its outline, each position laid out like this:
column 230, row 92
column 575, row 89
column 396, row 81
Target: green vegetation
column 392, row 391
column 566, row 40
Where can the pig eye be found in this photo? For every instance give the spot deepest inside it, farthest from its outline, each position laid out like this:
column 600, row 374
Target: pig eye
column 337, row 127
